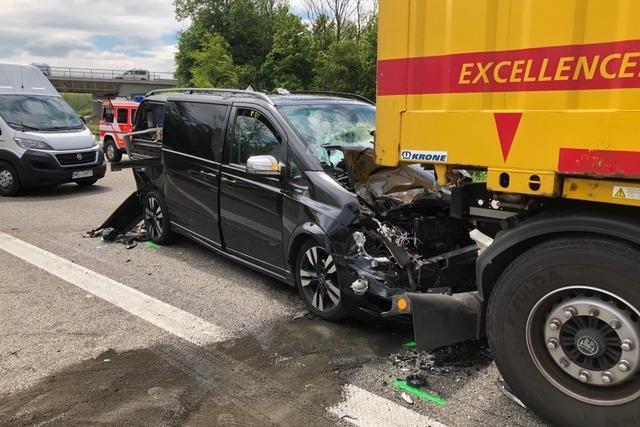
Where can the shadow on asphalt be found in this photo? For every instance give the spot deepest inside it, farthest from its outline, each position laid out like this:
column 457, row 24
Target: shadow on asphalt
column 288, row 381
column 68, row 191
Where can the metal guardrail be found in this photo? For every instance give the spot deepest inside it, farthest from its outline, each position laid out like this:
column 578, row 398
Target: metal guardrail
column 102, row 74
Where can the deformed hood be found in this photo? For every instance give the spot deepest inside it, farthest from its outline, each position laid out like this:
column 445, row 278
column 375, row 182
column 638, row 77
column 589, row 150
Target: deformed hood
column 401, row 185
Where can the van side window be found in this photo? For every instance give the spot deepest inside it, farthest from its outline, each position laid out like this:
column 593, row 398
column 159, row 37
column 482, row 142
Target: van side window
column 123, row 115
column 133, row 115
column 151, row 116
column 195, row 128
column 107, row 115
column 253, row 135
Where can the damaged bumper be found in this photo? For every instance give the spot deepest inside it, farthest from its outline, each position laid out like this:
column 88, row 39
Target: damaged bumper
column 439, row 319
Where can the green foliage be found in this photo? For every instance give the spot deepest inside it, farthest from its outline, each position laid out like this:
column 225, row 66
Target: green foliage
column 237, row 43
column 213, row 65
column 80, row 102
column 290, row 63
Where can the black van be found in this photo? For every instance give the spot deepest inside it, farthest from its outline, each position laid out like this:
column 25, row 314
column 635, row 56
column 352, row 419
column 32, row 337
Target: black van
column 287, row 184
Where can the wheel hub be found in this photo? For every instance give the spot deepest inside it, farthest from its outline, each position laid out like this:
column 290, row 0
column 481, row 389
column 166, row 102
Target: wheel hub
column 6, row 179
column 154, row 217
column 319, row 279
column 590, row 330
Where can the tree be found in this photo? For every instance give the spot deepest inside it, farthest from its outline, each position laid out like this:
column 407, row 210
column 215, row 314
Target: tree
column 339, row 11
column 213, row 64
column 290, row 62
column 339, row 69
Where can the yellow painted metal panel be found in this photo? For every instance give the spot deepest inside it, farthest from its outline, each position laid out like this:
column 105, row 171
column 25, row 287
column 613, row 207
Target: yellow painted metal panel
column 532, row 85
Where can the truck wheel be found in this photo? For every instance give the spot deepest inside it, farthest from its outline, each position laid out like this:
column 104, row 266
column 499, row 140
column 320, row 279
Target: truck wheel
column 111, row 151
column 156, row 219
column 317, row 281
column 9, row 180
column 564, row 326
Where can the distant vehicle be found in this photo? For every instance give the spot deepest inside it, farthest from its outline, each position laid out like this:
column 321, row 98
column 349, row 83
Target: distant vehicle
column 136, row 75
column 117, row 119
column 43, row 142
column 45, row 68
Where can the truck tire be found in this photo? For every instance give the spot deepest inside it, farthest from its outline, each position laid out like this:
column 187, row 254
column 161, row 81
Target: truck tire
column 111, row 151
column 9, row 180
column 563, row 323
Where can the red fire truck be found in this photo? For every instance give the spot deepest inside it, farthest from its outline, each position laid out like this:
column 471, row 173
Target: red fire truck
column 117, row 119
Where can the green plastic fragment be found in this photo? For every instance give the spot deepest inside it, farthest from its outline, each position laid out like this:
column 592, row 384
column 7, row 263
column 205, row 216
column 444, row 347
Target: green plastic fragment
column 409, row 344
column 425, row 395
column 151, row 245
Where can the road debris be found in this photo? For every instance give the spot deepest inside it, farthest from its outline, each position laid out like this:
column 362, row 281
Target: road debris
column 416, row 380
column 407, row 398
column 421, row 394
column 504, row 388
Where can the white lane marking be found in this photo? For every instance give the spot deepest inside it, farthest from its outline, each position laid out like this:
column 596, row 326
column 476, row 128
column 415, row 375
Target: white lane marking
column 178, row 322
column 365, row 409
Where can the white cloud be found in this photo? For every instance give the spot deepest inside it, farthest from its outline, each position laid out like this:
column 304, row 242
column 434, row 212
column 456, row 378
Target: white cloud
column 111, row 34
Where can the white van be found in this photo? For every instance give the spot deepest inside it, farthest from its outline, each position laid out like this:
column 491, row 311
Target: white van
column 43, row 142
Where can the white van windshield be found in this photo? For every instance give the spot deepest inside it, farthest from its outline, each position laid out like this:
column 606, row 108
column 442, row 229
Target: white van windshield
column 37, row 112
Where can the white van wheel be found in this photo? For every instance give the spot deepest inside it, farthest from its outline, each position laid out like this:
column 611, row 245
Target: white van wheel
column 9, row 180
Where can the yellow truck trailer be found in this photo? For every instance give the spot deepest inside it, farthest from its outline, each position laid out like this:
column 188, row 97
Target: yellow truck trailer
column 543, row 96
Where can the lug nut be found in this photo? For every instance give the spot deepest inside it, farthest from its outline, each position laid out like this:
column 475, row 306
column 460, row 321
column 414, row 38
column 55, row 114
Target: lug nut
column 627, row 345
column 624, row 366
column 584, row 376
column 615, row 324
column 569, row 312
column 593, row 311
column 607, row 378
column 552, row 344
column 555, row 324
column 564, row 363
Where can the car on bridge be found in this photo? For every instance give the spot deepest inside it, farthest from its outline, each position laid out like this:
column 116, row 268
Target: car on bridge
column 136, row 74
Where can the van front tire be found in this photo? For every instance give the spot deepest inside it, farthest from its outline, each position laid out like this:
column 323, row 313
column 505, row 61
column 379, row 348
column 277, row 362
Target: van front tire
column 9, row 180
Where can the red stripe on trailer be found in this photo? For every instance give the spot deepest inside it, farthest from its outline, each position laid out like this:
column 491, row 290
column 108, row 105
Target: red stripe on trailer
column 599, row 162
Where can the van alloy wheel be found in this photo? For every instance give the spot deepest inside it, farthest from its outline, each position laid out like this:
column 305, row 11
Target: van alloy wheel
column 154, row 218
column 319, row 279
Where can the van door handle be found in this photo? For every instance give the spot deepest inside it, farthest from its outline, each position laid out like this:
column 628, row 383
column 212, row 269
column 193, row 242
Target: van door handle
column 229, row 181
column 209, row 174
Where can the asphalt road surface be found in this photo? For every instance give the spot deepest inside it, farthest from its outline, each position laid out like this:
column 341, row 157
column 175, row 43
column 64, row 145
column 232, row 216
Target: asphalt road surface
column 92, row 333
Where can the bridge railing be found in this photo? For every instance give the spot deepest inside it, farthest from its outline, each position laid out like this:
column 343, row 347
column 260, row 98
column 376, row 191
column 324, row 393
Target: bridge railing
column 103, row 74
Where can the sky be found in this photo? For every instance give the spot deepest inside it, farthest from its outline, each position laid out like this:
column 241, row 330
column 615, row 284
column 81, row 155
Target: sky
column 111, row 34
column 108, row 34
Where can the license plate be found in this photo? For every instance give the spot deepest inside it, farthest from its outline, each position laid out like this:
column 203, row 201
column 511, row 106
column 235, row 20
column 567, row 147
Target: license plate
column 82, row 174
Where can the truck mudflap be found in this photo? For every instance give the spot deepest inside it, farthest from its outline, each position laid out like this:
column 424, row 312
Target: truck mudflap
column 124, row 218
column 439, row 319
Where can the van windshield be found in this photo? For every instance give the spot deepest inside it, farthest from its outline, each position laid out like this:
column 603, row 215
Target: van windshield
column 324, row 126
column 37, row 112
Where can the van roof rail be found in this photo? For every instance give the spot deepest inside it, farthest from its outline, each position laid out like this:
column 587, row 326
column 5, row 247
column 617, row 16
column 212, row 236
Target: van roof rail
column 335, row 94
column 212, row 91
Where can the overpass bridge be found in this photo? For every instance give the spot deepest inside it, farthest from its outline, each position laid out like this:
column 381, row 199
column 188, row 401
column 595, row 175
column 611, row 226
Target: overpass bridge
column 106, row 83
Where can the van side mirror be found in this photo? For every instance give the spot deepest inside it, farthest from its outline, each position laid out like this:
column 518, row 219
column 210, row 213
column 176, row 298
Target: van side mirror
column 83, row 120
column 264, row 166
